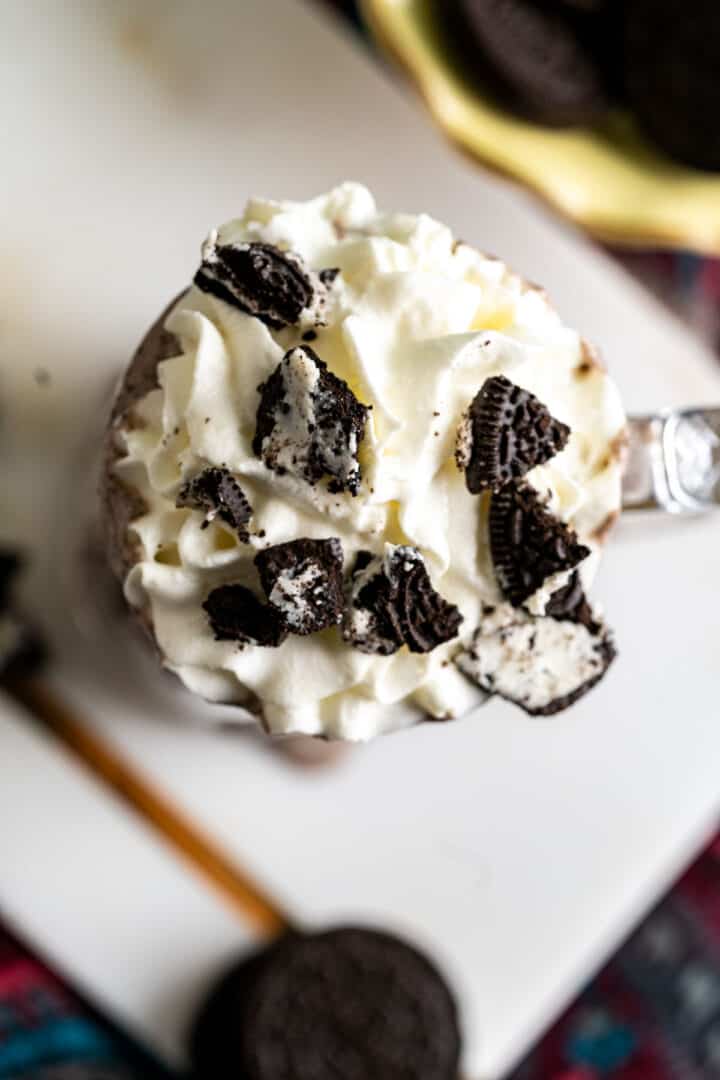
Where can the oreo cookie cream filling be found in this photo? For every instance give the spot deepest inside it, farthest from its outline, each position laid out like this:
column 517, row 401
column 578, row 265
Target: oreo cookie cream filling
column 343, row 445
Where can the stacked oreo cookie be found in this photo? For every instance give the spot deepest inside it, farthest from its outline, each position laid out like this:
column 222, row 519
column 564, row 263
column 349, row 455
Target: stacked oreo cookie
column 566, row 62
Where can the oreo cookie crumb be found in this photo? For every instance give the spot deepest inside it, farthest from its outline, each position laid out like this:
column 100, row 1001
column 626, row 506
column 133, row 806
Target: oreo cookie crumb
column 506, row 432
column 328, row 276
column 528, row 544
column 392, row 603
column 571, row 604
column 217, row 493
column 303, row 581
column 347, row 1004
column 529, row 56
column 236, row 614
column 543, row 663
column 274, row 286
column 310, row 335
column 309, row 423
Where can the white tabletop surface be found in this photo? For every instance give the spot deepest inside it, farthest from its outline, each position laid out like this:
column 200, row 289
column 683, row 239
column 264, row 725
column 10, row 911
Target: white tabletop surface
column 518, row 851
column 102, row 896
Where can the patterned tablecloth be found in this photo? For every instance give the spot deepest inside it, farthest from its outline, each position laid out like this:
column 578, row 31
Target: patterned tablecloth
column 48, row 1032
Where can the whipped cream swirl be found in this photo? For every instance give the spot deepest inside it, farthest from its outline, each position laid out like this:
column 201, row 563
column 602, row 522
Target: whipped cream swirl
column 414, row 322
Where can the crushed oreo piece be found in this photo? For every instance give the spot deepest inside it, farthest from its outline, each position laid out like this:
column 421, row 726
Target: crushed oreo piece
column 506, row 432
column 528, row 544
column 236, row 614
column 543, row 663
column 273, row 285
column 217, row 493
column 393, row 603
column 309, row 423
column 571, row 604
column 344, row 1004
column 303, row 581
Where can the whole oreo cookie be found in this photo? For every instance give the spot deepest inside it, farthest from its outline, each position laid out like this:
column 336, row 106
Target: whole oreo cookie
column 672, row 71
column 347, row 1004
column 530, row 56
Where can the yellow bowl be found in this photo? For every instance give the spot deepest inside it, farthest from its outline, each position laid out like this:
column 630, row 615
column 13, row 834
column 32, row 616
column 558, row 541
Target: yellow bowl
column 610, row 180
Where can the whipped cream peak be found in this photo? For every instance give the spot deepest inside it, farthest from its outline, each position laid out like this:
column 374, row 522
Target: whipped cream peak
column 326, row 356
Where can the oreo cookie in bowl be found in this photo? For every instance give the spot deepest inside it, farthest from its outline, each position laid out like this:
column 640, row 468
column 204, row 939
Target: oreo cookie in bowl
column 607, row 109
column 359, row 475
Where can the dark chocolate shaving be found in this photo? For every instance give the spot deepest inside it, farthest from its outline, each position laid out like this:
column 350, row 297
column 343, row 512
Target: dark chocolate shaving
column 309, row 422
column 303, row 580
column 236, row 614
column 397, row 605
column 510, row 433
column 259, row 279
column 528, row 544
column 217, row 493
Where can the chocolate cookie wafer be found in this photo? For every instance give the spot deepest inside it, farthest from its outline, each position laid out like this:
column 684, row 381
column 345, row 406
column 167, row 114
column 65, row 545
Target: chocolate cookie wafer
column 506, row 433
column 347, row 1004
column 544, row 664
column 528, row 543
column 530, row 57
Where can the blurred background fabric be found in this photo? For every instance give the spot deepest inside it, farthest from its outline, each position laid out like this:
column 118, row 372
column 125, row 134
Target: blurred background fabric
column 47, row 1032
